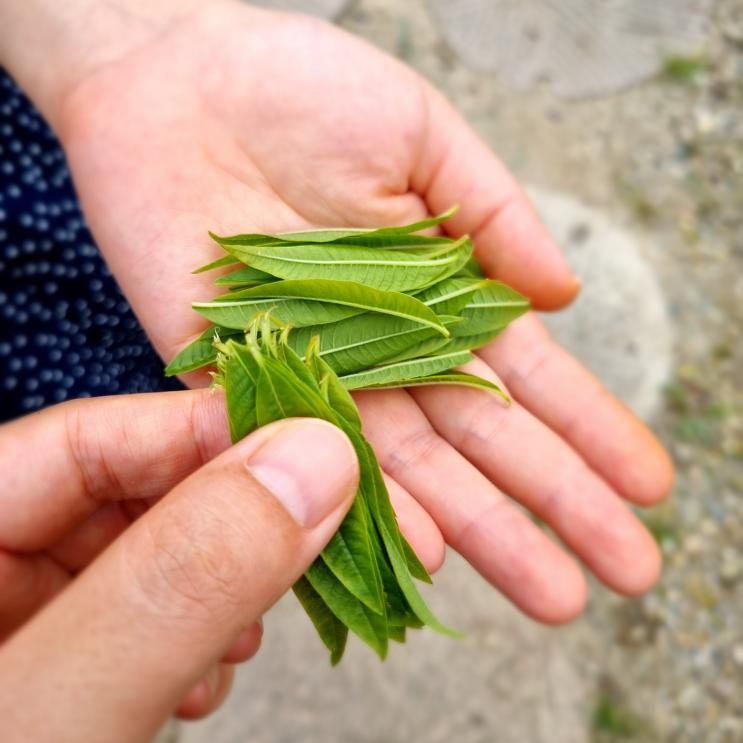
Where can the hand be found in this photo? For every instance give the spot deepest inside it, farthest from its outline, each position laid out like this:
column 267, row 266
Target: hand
column 235, row 119
column 175, row 598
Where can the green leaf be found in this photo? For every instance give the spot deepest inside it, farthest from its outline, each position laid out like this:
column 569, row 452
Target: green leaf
column 472, row 268
column 200, row 352
column 415, row 566
column 245, row 276
column 324, row 235
column 249, row 239
column 455, row 378
column 470, row 342
column 412, row 243
column 368, row 625
column 359, row 577
column 378, row 499
column 391, row 270
column 402, row 371
column 411, row 593
column 363, row 341
column 450, row 296
column 399, row 613
column 337, row 396
column 331, row 630
column 239, row 313
column 239, row 371
column 335, row 234
column 386, row 523
column 400, row 610
column 491, row 307
column 355, row 556
column 463, row 254
column 460, row 379
column 350, row 558
column 348, row 555
column 299, row 367
column 225, row 260
column 423, row 224
column 315, row 301
column 280, row 396
column 364, row 578
column 426, row 347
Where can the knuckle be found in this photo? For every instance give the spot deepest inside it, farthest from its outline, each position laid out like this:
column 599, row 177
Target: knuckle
column 481, row 428
column 574, row 425
column 478, row 523
column 558, row 504
column 414, row 450
column 98, row 480
column 492, row 213
column 531, row 361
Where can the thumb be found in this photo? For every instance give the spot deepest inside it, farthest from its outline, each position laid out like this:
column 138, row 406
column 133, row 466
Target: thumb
column 456, row 166
column 123, row 644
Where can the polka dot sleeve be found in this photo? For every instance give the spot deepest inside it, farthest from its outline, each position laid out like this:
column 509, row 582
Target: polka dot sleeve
column 66, row 330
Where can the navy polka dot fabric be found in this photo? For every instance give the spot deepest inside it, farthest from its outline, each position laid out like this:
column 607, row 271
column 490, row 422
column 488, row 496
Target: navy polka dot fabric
column 66, row 330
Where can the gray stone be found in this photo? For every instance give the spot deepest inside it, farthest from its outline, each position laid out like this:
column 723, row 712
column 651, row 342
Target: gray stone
column 168, row 733
column 619, row 326
column 323, row 8
column 582, row 47
column 731, row 567
column 509, row 680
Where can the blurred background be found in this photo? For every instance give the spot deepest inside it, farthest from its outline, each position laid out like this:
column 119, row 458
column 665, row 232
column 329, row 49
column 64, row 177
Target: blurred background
column 625, row 120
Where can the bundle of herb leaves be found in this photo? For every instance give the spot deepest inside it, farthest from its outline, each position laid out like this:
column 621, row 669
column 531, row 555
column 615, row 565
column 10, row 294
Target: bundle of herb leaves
column 310, row 315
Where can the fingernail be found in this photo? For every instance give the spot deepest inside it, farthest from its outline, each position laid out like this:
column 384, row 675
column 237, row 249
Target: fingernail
column 310, row 467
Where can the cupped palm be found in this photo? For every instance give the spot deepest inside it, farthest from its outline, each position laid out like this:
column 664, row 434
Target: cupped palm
column 235, row 120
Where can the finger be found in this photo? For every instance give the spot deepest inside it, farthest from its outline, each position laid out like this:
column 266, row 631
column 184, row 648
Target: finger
column 551, row 384
column 26, row 583
column 536, row 467
column 41, row 578
column 512, row 244
column 166, row 601
column 246, row 645
column 208, row 694
column 417, row 526
column 77, row 549
column 89, row 539
column 500, row 541
column 99, row 451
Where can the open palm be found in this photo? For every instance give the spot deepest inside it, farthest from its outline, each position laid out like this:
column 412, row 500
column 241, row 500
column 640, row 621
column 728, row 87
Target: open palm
column 234, row 120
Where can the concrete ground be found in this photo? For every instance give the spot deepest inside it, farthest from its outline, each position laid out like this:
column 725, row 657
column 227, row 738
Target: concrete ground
column 509, row 680
column 643, row 186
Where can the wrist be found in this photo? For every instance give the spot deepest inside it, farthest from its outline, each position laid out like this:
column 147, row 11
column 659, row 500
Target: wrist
column 51, row 47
